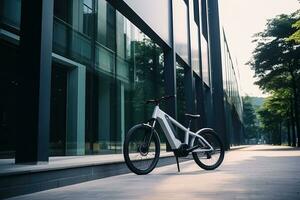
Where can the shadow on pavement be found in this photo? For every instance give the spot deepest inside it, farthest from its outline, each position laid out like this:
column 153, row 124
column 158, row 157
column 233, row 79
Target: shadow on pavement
column 274, row 149
column 175, row 173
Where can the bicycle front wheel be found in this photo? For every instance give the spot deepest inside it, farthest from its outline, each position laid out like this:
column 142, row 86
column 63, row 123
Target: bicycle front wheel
column 212, row 159
column 141, row 153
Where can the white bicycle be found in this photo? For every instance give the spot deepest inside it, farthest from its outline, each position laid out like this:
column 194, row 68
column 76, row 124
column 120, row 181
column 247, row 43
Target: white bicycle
column 141, row 147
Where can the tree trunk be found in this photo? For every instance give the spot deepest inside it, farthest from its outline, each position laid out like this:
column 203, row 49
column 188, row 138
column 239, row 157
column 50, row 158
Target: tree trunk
column 293, row 124
column 274, row 139
column 295, row 98
column 296, row 116
column 288, row 132
column 279, row 138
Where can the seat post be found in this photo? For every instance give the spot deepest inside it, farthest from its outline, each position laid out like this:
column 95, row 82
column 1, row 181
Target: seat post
column 191, row 116
column 189, row 126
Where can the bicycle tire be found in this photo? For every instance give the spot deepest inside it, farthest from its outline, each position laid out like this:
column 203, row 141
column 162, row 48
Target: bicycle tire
column 202, row 158
column 133, row 147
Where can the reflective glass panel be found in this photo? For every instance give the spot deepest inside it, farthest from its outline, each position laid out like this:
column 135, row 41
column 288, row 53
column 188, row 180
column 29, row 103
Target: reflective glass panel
column 181, row 101
column 10, row 13
column 205, row 62
column 181, row 29
column 194, row 41
column 72, row 29
column 100, row 89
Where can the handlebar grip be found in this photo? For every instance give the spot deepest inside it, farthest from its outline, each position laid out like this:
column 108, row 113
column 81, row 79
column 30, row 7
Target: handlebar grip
column 168, row 97
column 150, row 101
column 157, row 101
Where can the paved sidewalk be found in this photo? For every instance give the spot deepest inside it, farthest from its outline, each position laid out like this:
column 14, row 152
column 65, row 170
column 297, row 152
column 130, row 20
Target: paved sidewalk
column 8, row 166
column 255, row 172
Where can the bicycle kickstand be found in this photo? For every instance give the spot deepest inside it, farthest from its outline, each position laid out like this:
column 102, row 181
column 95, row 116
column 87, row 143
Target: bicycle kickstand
column 177, row 163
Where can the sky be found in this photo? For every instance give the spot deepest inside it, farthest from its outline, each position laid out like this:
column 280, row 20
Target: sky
column 241, row 19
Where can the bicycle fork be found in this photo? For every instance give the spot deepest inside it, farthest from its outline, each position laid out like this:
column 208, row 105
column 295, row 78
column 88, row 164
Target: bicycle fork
column 151, row 133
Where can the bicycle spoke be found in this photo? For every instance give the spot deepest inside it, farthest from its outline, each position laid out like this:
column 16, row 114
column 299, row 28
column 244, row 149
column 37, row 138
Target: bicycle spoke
column 141, row 156
column 209, row 159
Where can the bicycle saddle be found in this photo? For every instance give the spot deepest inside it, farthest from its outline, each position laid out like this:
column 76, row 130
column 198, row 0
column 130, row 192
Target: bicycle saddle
column 192, row 116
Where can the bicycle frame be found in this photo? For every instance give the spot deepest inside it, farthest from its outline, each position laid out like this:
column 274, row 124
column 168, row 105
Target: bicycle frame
column 163, row 118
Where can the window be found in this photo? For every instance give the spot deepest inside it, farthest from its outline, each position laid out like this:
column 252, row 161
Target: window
column 194, row 40
column 203, row 18
column 127, row 69
column 205, row 61
column 10, row 13
column 87, row 17
column 180, row 87
column 181, row 29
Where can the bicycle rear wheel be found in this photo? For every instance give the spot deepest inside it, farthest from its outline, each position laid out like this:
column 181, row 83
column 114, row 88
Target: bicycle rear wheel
column 139, row 157
column 209, row 160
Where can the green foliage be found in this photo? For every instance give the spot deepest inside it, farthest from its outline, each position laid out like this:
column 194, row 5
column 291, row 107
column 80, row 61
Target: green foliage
column 273, row 111
column 296, row 35
column 276, row 63
column 250, row 119
column 275, row 58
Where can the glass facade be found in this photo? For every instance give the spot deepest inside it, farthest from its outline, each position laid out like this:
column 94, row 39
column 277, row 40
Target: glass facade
column 181, row 97
column 203, row 16
column 10, row 17
column 121, row 69
column 8, row 102
column 181, row 29
column 180, row 89
column 103, row 70
column 233, row 101
column 10, row 13
column 204, row 42
column 160, row 21
column 205, row 61
column 194, row 29
column 230, row 79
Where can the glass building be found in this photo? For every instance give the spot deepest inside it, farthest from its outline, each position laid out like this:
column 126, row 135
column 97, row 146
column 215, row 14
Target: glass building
column 233, row 101
column 103, row 59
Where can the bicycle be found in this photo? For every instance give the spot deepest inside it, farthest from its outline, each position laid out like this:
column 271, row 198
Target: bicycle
column 141, row 147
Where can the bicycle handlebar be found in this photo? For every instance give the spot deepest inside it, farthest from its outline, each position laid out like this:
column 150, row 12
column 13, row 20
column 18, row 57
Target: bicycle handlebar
column 157, row 101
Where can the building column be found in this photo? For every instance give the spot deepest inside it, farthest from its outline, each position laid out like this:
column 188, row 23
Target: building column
column 34, row 74
column 189, row 81
column 199, row 84
column 121, row 111
column 216, row 70
column 104, row 115
column 170, row 73
column 75, row 137
column 200, row 103
column 170, row 70
column 170, row 84
column 170, row 81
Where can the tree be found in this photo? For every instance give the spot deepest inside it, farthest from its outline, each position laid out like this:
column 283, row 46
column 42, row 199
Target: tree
column 274, row 114
column 250, row 119
column 276, row 60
